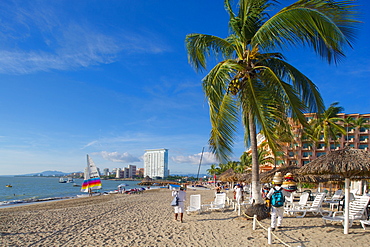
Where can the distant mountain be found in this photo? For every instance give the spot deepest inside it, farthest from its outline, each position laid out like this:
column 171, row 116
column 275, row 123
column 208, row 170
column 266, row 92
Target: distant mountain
column 48, row 173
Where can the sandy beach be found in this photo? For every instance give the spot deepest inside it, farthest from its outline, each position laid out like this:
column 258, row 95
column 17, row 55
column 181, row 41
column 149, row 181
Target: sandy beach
column 147, row 220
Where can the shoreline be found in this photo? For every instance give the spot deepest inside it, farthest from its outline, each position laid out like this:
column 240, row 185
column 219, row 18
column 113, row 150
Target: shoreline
column 49, row 199
column 147, row 220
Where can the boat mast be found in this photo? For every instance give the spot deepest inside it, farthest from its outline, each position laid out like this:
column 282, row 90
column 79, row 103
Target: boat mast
column 200, row 162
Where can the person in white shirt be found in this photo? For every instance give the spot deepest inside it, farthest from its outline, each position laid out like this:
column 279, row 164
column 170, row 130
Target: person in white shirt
column 277, row 212
column 238, row 193
column 180, row 208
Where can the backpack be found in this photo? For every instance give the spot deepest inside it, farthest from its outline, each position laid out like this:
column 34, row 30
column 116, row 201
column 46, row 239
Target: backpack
column 277, row 198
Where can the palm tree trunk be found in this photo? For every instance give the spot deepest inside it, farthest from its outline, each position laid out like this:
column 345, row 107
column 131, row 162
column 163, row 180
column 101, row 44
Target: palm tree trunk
column 256, row 184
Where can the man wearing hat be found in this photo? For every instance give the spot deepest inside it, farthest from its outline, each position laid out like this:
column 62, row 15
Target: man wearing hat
column 180, row 208
column 277, row 212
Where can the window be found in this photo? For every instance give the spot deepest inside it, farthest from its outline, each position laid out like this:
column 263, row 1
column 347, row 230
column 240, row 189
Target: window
column 320, row 146
column 362, row 146
column 307, row 154
column 363, row 138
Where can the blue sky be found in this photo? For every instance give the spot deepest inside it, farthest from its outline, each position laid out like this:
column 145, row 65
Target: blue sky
column 111, row 79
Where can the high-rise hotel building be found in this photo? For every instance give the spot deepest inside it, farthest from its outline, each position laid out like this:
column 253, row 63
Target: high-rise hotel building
column 156, row 163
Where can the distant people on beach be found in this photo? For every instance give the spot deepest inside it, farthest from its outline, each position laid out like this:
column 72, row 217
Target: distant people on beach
column 179, row 210
column 265, row 190
column 218, row 189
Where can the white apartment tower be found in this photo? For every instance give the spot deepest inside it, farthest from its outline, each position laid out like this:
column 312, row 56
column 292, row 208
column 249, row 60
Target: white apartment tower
column 156, row 163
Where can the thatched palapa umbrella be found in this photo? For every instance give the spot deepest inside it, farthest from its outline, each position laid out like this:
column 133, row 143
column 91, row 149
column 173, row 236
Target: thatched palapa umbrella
column 348, row 163
column 228, row 176
column 267, row 177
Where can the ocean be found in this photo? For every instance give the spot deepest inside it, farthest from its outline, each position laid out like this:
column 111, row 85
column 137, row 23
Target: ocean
column 30, row 189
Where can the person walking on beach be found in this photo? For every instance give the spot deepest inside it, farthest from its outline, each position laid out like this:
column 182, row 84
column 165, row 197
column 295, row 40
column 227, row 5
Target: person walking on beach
column 276, row 196
column 179, row 209
column 238, row 193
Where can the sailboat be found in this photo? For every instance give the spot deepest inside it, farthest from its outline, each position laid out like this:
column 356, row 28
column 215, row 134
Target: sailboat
column 91, row 177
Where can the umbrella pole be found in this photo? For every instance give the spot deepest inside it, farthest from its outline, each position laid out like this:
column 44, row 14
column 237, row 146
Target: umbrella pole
column 346, row 206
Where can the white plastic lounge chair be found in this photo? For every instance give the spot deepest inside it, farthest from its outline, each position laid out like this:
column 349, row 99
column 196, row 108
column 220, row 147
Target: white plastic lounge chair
column 303, row 199
column 335, row 199
column 219, row 202
column 315, row 208
column 364, row 222
column 195, row 204
column 356, row 211
column 340, row 204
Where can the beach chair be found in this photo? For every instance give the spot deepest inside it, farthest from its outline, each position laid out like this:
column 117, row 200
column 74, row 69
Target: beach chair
column 195, row 204
column 219, row 202
column 357, row 211
column 340, row 204
column 335, row 199
column 315, row 208
column 364, row 222
column 303, row 199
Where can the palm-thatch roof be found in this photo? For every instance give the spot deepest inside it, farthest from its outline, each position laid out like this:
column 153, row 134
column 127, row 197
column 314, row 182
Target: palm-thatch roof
column 228, row 176
column 267, row 177
column 245, row 177
column 347, row 163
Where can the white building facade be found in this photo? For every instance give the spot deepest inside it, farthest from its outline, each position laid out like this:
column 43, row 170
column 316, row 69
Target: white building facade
column 156, row 163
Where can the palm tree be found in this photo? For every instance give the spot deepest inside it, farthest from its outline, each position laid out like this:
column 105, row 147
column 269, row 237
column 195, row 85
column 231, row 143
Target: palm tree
column 328, row 125
column 361, row 122
column 264, row 157
column 347, row 123
column 213, row 170
column 253, row 83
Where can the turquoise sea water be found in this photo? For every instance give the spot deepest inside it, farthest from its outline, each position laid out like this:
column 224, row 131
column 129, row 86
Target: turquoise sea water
column 35, row 188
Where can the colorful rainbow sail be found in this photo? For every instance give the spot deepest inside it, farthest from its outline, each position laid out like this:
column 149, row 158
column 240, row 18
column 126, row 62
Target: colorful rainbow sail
column 91, row 177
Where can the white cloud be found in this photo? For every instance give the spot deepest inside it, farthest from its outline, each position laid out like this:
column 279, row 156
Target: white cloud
column 207, row 159
column 118, row 157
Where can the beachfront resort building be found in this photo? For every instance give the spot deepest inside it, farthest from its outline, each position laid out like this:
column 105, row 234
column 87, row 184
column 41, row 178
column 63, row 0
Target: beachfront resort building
column 126, row 172
column 302, row 151
column 156, row 163
column 140, row 172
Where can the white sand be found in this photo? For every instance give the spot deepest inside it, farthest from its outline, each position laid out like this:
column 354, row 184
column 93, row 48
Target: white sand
column 147, row 220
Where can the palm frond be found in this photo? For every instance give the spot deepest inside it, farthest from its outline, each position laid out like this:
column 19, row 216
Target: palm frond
column 325, row 26
column 305, row 88
column 201, row 46
column 223, row 109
